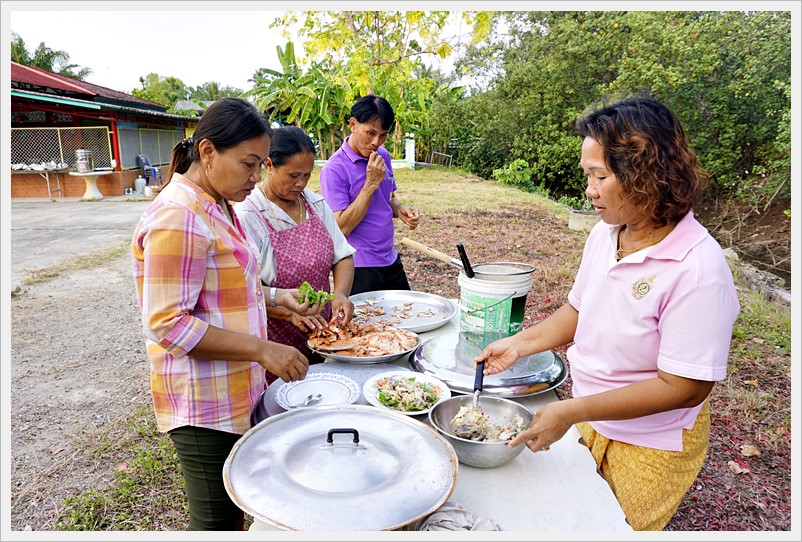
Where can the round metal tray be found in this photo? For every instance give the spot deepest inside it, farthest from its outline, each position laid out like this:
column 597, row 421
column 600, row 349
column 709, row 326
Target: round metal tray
column 425, row 312
column 449, row 357
column 340, row 468
column 364, row 360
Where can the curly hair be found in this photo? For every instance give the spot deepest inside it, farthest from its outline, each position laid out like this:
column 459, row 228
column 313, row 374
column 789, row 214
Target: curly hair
column 645, row 147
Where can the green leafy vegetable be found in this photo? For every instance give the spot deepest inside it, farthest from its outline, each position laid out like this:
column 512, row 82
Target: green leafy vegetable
column 308, row 293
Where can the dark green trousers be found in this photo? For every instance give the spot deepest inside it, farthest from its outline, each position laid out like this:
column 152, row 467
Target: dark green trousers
column 202, row 453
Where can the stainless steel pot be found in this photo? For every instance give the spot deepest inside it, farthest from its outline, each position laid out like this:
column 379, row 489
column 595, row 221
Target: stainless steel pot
column 84, row 162
column 340, row 468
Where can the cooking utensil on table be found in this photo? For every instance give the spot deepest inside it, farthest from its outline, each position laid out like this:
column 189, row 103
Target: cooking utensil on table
column 340, row 468
column 466, row 265
column 479, row 453
column 413, row 311
column 449, row 357
column 477, row 382
column 311, row 399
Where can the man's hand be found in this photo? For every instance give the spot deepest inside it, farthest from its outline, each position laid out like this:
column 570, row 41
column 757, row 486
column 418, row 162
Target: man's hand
column 376, row 171
column 409, row 216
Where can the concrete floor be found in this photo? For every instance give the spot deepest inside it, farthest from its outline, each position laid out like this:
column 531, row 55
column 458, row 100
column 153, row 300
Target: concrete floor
column 45, row 233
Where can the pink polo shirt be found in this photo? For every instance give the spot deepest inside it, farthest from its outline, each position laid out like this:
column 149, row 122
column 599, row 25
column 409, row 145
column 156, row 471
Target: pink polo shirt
column 671, row 306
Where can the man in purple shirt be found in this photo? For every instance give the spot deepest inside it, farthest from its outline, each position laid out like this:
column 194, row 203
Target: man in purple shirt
column 359, row 186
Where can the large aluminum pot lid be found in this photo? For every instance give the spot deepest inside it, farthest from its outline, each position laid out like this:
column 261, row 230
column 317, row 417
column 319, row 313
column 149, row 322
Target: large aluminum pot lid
column 293, row 472
column 449, row 357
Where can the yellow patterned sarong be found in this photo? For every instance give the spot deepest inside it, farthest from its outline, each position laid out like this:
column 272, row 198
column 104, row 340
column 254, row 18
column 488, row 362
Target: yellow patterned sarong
column 648, row 483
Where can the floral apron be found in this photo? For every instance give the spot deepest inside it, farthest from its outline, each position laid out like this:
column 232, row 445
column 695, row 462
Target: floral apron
column 303, row 253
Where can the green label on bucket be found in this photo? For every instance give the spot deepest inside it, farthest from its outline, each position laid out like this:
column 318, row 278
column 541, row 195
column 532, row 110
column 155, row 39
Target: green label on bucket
column 483, row 314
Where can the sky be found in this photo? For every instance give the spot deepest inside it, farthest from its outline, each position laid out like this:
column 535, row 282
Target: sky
column 123, row 41
column 196, row 47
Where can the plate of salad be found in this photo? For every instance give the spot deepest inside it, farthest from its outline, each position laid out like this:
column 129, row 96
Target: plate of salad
column 407, row 392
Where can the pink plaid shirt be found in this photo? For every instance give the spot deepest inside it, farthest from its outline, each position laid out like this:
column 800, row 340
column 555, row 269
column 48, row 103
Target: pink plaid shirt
column 193, row 269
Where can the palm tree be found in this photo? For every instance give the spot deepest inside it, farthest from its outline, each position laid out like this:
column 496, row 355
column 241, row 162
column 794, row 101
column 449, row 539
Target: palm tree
column 46, row 58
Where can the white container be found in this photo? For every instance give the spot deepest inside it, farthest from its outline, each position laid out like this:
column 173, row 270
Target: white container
column 494, row 306
column 139, row 185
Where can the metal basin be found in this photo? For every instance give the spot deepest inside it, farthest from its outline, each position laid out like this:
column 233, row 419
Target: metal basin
column 479, row 453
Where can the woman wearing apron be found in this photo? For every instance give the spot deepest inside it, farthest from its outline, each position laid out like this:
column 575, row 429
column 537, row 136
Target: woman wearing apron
column 297, row 239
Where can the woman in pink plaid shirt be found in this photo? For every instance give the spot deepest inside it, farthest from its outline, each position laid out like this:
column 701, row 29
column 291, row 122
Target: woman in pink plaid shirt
column 204, row 315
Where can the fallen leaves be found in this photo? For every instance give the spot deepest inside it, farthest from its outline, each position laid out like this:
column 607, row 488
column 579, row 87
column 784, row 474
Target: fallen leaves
column 747, row 450
column 736, row 468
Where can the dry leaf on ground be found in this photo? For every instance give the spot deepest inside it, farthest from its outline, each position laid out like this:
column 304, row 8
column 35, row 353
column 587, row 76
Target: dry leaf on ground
column 736, row 468
column 747, row 450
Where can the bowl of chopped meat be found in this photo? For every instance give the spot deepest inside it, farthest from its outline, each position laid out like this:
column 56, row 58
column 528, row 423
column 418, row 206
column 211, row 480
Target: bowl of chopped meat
column 480, row 434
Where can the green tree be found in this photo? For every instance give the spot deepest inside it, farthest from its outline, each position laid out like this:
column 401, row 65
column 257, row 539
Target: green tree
column 316, row 100
column 213, row 90
column 378, row 52
column 163, row 90
column 725, row 74
column 46, row 58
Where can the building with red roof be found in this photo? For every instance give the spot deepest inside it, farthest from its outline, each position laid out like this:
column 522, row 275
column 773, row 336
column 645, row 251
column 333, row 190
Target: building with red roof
column 53, row 115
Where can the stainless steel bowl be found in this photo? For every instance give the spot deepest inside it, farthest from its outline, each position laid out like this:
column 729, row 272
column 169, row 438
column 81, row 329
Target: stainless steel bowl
column 478, row 453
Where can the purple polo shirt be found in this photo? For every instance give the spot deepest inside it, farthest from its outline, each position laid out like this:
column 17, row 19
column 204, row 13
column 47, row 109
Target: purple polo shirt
column 341, row 180
column 669, row 307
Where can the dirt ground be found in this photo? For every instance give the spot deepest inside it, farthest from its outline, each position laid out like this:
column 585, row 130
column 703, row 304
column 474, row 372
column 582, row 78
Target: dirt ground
column 79, row 368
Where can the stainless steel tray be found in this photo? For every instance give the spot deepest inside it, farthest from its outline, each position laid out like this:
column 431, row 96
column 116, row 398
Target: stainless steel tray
column 364, row 360
column 449, row 357
column 424, row 312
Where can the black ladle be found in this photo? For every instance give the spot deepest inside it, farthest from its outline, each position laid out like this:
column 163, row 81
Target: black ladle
column 465, row 263
column 477, row 382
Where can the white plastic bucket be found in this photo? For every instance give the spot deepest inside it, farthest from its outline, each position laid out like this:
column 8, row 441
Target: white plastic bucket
column 494, row 306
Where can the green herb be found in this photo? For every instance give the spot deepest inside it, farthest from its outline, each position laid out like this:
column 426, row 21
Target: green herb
column 308, row 293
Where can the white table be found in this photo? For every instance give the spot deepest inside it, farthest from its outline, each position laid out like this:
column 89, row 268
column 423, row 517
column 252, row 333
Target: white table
column 557, row 490
column 92, row 193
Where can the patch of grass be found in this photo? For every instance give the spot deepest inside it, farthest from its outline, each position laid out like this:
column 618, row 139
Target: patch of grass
column 93, row 260
column 436, row 191
column 147, row 492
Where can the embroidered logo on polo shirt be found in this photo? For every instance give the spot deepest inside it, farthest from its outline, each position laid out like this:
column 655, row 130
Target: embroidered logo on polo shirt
column 641, row 287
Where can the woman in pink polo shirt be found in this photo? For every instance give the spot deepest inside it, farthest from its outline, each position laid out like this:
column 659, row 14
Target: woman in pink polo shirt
column 650, row 315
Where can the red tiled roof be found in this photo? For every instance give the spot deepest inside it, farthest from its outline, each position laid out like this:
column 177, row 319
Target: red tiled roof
column 39, row 77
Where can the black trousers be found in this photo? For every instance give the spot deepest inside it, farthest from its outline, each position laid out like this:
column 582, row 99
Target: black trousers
column 371, row 279
column 202, row 453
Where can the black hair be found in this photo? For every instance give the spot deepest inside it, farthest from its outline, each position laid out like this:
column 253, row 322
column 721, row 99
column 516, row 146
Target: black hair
column 227, row 123
column 369, row 108
column 288, row 141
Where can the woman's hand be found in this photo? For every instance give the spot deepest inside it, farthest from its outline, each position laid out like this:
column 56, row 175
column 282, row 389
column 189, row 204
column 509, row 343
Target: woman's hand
column 342, row 309
column 499, row 355
column 548, row 426
column 409, row 216
column 284, row 361
column 288, row 298
column 308, row 323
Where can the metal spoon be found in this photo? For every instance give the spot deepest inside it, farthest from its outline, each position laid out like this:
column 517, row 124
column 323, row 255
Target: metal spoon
column 311, row 399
